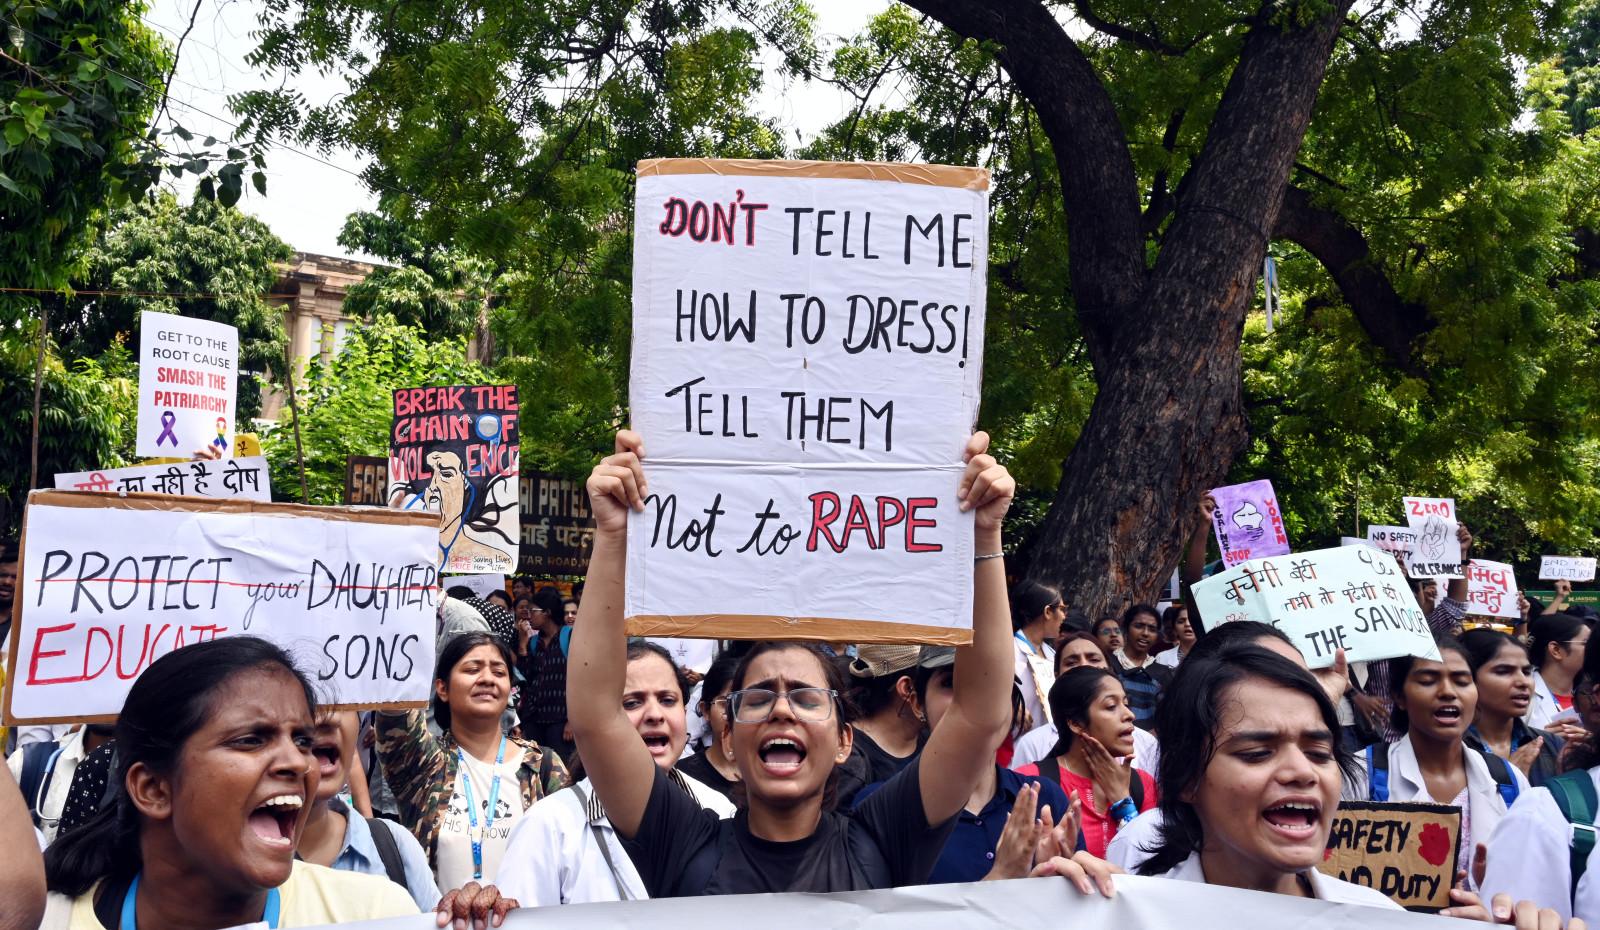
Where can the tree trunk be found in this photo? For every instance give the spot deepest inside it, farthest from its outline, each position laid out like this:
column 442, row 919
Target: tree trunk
column 1167, row 420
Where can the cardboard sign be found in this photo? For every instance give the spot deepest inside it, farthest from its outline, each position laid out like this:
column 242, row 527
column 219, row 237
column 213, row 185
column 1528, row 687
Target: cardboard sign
column 366, row 480
column 242, row 479
column 1352, row 598
column 1407, row 851
column 109, row 583
column 1565, row 568
column 1248, row 523
column 807, row 355
column 188, row 378
column 1436, row 553
column 1491, row 589
column 557, row 528
column 453, row 451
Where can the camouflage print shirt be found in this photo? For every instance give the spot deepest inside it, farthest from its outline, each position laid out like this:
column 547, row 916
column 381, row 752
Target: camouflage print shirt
column 421, row 770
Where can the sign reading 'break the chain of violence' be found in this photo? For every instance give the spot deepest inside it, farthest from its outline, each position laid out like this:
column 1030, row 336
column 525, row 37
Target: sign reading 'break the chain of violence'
column 808, row 347
column 109, row 583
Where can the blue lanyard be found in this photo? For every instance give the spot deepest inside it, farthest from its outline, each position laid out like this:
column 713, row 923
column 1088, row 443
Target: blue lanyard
column 1025, row 642
column 130, row 919
column 472, row 808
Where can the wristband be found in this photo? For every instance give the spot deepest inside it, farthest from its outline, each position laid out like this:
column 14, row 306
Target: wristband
column 1123, row 811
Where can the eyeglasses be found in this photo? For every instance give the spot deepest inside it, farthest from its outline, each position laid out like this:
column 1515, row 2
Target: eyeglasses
column 755, row 705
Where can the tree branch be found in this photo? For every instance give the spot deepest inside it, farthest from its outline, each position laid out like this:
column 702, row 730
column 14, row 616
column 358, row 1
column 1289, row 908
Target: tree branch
column 1144, row 40
column 1099, row 187
column 1391, row 322
column 1161, row 200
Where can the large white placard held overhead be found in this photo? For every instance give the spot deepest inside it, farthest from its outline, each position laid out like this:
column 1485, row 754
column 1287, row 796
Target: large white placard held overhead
column 188, row 382
column 807, row 358
column 109, row 583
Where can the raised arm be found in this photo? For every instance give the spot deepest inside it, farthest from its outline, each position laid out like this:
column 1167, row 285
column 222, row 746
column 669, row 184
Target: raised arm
column 964, row 743
column 614, row 756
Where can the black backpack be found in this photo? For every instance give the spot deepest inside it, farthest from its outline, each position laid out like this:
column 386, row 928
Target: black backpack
column 1051, row 769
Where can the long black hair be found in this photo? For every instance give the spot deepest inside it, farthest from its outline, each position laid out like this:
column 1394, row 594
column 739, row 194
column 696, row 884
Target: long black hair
column 453, row 652
column 1028, row 601
column 1188, row 719
column 1400, row 668
column 1549, row 630
column 167, row 704
column 1070, row 699
column 719, row 678
column 1482, row 645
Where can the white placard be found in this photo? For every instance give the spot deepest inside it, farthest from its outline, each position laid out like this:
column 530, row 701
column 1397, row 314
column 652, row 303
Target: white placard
column 1436, row 553
column 1352, row 598
column 1028, row 902
column 1397, row 540
column 481, row 585
column 1566, row 568
column 695, row 655
column 108, row 584
column 1491, row 589
column 799, row 334
column 188, row 381
column 241, row 479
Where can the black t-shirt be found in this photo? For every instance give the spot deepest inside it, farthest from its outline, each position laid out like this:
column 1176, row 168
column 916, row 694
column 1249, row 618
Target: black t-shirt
column 881, row 765
column 682, row 849
column 699, row 768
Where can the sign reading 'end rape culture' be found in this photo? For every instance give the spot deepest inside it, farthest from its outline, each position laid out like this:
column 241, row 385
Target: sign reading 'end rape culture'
column 807, row 359
column 109, row 583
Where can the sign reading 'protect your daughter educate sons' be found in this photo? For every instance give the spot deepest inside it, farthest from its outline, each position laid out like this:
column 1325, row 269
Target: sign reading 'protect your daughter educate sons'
column 807, row 357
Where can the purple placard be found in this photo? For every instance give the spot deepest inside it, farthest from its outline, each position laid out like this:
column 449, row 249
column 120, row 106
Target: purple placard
column 1248, row 523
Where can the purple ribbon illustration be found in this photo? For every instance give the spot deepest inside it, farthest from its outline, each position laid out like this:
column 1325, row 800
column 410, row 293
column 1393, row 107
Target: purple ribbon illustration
column 168, row 419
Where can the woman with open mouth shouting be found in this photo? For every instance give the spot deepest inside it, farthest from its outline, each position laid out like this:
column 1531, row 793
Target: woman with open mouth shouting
column 216, row 781
column 1434, row 703
column 788, row 733
column 565, row 850
column 461, row 792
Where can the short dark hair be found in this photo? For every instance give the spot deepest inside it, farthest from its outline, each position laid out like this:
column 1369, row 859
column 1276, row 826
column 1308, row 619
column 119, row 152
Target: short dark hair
column 1138, row 610
column 10, row 553
column 1188, row 716
column 1169, row 617
column 460, row 592
column 1028, row 600
column 719, row 677
column 1549, row 630
column 640, row 648
column 452, row 653
column 1483, row 644
column 548, row 599
column 1075, row 636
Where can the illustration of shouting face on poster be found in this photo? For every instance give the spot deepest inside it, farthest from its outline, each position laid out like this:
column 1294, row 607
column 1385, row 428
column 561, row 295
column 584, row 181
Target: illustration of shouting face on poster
column 454, row 450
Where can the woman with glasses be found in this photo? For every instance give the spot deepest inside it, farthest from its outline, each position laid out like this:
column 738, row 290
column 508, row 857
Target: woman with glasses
column 1108, row 630
column 1558, row 644
column 713, row 766
column 787, row 734
column 1036, row 614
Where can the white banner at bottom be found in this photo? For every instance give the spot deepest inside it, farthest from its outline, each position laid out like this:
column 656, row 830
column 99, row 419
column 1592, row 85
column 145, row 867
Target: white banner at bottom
column 1029, row 902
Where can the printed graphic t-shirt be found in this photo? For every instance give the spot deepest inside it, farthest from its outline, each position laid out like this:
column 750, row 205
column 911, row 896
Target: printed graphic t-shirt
column 453, row 862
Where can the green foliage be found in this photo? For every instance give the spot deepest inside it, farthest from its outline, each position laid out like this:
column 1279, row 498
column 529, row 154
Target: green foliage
column 87, row 411
column 437, row 288
column 347, row 405
column 159, row 247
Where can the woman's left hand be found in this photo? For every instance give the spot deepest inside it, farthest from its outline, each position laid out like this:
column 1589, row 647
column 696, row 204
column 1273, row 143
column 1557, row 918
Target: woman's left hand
column 1084, row 871
column 986, row 487
column 1524, row 915
column 473, row 907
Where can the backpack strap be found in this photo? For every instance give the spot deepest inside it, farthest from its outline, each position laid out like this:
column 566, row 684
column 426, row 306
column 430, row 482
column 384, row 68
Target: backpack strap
column 1378, row 772
column 1574, row 794
column 565, row 639
column 388, row 850
column 1504, row 781
column 1049, row 768
column 1136, row 788
column 38, row 770
column 605, row 848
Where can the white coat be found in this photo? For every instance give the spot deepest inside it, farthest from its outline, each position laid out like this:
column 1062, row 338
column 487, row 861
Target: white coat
column 1530, row 859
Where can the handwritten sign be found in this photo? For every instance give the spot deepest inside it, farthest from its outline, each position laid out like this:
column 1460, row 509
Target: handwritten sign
column 1491, row 589
column 188, row 378
column 1436, row 552
column 1248, row 523
column 1407, row 851
column 808, row 345
column 243, row 479
column 1352, row 598
column 1565, row 568
column 366, row 480
column 557, row 528
column 1397, row 540
column 109, row 583
column 453, row 450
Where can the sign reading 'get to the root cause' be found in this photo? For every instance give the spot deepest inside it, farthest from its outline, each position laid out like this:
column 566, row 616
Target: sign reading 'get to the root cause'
column 109, row 583
column 807, row 358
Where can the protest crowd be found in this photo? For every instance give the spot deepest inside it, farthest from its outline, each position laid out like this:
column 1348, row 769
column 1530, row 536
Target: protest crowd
column 227, row 711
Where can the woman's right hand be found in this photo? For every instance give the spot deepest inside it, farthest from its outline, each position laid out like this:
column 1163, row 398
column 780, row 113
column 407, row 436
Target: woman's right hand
column 617, row 484
column 1112, row 776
